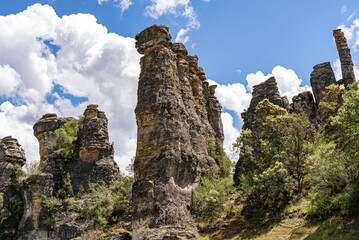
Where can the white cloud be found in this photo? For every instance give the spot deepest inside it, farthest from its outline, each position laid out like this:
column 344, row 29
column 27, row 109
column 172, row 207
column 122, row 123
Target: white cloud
column 206, row 0
column 123, row 4
column 289, row 84
column 182, row 36
column 352, row 34
column 233, row 97
column 9, row 80
column 90, row 62
column 351, row 16
column 344, row 9
column 176, row 8
column 230, row 135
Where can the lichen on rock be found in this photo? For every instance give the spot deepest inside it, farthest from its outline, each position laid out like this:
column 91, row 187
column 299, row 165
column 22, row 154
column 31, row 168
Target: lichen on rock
column 176, row 113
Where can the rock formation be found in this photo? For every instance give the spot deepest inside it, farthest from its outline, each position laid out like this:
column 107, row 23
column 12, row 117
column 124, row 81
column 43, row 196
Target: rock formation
column 305, row 102
column 44, row 131
column 321, row 77
column 12, row 158
column 96, row 154
column 267, row 89
column 345, row 58
column 177, row 114
column 92, row 161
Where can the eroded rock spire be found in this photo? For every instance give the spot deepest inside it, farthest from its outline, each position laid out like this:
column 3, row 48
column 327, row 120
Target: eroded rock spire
column 346, row 61
column 177, row 114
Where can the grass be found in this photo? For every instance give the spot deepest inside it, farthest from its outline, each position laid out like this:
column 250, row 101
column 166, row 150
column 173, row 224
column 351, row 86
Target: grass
column 290, row 226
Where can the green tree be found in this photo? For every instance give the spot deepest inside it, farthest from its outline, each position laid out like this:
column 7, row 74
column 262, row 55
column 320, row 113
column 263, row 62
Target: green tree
column 273, row 158
column 66, row 137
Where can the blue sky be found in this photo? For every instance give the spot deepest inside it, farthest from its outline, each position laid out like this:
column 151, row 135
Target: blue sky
column 61, row 57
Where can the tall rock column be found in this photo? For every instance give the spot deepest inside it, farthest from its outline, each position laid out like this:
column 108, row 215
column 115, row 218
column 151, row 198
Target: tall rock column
column 95, row 152
column 345, row 57
column 173, row 131
column 12, row 158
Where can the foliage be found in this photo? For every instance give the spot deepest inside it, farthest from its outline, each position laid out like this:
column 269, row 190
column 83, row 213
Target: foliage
column 208, row 202
column 216, row 151
column 105, row 204
column 273, row 158
column 335, row 171
column 4, row 212
column 270, row 192
column 32, row 167
column 66, row 191
column 66, row 136
column 344, row 127
column 331, row 102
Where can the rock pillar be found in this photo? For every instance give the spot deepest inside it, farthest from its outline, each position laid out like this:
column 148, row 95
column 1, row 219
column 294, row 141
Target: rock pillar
column 176, row 113
column 321, row 77
column 345, row 57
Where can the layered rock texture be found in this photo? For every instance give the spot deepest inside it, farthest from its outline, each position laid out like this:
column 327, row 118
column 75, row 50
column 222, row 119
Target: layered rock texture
column 89, row 160
column 12, row 158
column 267, row 89
column 345, row 58
column 177, row 114
column 321, row 77
column 304, row 102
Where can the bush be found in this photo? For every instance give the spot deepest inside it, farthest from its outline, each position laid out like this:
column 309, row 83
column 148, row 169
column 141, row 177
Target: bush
column 4, row 212
column 270, row 192
column 66, row 137
column 216, row 151
column 106, row 204
column 208, row 202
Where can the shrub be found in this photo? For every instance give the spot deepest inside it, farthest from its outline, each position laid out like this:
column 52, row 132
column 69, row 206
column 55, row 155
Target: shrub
column 66, row 137
column 208, row 202
column 270, row 192
column 216, row 151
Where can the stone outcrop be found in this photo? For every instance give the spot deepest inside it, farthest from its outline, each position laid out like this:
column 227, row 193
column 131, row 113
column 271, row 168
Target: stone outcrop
column 321, row 77
column 267, row 89
column 92, row 161
column 177, row 114
column 12, row 158
column 305, row 102
column 44, row 132
column 346, row 61
column 95, row 153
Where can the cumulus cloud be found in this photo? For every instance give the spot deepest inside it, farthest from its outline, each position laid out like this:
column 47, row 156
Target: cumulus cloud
column 289, row 84
column 232, row 97
column 9, row 80
column 231, row 134
column 90, row 62
column 352, row 34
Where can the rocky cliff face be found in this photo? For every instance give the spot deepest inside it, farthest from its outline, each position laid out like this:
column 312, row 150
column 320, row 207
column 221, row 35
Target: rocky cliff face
column 177, row 114
column 12, row 158
column 267, row 89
